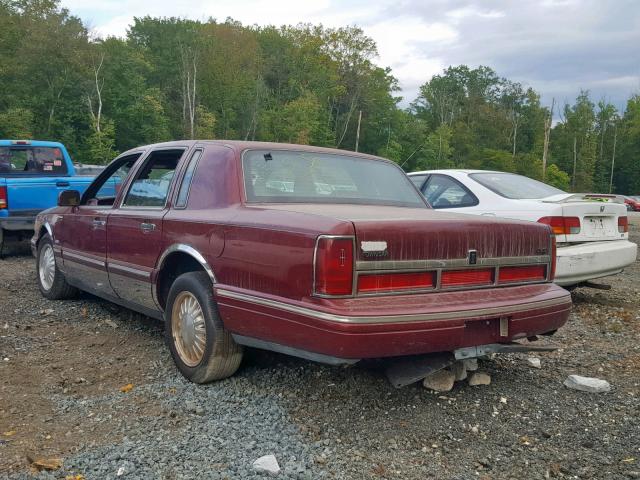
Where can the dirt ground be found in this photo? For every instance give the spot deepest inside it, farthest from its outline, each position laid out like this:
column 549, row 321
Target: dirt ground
column 57, row 359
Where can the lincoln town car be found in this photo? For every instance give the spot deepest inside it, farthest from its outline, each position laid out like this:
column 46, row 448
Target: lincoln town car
column 329, row 255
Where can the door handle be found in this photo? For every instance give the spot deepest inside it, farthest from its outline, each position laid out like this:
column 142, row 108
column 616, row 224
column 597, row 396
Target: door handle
column 61, row 183
column 147, row 227
column 97, row 222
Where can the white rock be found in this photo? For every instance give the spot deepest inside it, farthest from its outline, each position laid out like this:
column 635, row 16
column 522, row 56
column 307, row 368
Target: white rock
column 479, row 378
column 471, row 364
column 587, row 384
column 120, row 472
column 459, row 370
column 534, row 362
column 440, row 381
column 267, row 464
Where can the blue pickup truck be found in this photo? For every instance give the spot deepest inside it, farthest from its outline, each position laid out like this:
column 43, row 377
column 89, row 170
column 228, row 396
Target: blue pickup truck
column 32, row 174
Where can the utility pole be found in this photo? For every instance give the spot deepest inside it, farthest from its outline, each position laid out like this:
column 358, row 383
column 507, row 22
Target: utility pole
column 547, row 133
column 358, row 132
column 613, row 158
column 575, row 161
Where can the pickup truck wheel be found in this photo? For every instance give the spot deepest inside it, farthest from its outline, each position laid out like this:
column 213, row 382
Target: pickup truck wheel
column 50, row 279
column 201, row 347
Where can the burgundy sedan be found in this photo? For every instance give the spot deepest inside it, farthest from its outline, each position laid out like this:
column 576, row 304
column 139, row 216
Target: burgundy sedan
column 632, row 204
column 329, row 255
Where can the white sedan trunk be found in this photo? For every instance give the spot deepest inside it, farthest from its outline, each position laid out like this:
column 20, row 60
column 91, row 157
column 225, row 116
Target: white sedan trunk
column 591, row 230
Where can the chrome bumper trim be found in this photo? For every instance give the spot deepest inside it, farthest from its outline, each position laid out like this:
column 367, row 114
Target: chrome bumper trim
column 422, row 317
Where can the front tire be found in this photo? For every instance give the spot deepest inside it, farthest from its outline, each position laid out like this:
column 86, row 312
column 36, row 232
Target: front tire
column 202, row 348
column 51, row 280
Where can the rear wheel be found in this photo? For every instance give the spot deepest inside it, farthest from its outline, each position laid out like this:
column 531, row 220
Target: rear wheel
column 50, row 279
column 202, row 348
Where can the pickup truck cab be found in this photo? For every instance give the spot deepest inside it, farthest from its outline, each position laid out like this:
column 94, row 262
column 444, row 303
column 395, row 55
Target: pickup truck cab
column 329, row 255
column 32, row 175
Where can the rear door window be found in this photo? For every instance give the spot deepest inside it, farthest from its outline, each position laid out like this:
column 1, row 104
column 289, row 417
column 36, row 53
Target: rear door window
column 32, row 160
column 151, row 184
column 443, row 191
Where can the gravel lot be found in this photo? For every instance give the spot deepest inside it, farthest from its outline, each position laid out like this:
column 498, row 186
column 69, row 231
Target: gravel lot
column 63, row 365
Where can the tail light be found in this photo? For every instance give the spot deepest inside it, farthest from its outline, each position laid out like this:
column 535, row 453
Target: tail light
column 623, row 222
column 334, row 266
column 467, row 278
column 562, row 225
column 528, row 273
column 4, row 200
column 554, row 255
column 395, row 282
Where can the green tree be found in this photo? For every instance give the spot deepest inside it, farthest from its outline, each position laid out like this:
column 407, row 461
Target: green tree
column 16, row 123
column 101, row 144
column 626, row 173
column 205, row 123
column 557, row 178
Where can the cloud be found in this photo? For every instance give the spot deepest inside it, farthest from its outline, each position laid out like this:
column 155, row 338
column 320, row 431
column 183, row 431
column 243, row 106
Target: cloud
column 555, row 46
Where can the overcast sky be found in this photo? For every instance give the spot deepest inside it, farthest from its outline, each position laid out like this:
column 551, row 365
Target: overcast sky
column 555, row 46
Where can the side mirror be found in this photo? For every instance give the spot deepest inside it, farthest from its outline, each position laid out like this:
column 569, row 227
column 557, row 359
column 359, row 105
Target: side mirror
column 69, row 198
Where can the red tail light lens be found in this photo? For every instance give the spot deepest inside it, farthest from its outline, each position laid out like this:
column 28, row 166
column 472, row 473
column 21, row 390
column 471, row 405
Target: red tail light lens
column 529, row 273
column 4, row 201
column 334, row 266
column 459, row 278
column 623, row 224
column 562, row 225
column 392, row 282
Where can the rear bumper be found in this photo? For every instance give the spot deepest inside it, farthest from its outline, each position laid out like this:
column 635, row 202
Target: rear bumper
column 17, row 223
column 586, row 261
column 403, row 325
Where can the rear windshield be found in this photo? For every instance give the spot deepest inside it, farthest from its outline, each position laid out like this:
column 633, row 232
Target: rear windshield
column 32, row 160
column 278, row 176
column 514, row 186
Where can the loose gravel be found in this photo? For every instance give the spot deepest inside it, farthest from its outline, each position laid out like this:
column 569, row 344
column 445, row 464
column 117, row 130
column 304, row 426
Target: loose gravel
column 94, row 385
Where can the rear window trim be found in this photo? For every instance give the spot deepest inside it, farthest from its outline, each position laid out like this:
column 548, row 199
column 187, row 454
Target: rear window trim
column 410, row 184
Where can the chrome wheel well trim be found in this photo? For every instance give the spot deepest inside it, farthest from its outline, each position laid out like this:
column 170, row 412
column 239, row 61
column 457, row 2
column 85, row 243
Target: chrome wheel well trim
column 45, row 225
column 189, row 250
column 186, row 249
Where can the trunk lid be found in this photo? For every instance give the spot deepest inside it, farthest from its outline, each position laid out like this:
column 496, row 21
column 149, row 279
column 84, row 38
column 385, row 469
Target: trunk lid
column 598, row 215
column 397, row 233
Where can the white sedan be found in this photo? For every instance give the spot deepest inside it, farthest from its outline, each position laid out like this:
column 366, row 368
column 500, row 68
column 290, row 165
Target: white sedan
column 591, row 230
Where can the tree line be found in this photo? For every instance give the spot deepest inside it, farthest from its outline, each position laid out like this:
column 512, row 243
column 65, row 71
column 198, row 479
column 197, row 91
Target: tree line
column 173, row 78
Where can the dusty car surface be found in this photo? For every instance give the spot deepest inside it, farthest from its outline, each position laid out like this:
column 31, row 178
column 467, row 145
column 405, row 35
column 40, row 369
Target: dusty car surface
column 329, row 255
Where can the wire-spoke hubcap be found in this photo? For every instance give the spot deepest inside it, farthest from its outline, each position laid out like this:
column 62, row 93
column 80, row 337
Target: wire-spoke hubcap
column 188, row 329
column 47, row 267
